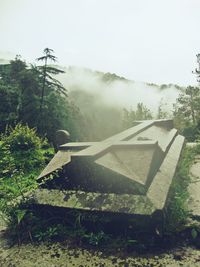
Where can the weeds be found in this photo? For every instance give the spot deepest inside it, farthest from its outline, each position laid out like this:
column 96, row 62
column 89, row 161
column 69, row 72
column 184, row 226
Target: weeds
column 177, row 211
column 22, row 155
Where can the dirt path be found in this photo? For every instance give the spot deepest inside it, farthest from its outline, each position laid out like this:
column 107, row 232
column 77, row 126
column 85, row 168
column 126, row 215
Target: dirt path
column 62, row 255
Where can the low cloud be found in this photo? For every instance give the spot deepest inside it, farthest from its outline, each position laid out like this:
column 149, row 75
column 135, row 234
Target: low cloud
column 85, row 86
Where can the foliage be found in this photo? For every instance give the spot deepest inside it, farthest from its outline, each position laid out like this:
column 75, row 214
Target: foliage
column 9, row 105
column 177, row 213
column 22, row 155
column 23, row 138
column 25, row 90
column 110, row 77
column 49, row 233
column 141, row 113
column 187, row 112
column 45, row 72
column 96, row 239
column 162, row 113
column 191, row 132
column 41, row 231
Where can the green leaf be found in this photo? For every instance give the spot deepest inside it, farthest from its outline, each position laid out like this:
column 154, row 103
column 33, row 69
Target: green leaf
column 132, row 241
column 194, row 233
column 20, row 215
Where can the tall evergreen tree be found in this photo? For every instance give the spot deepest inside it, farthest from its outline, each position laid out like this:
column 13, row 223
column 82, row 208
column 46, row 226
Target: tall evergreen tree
column 21, row 87
column 46, row 73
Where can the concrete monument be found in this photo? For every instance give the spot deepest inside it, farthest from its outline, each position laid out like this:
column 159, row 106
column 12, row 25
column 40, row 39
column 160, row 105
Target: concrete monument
column 129, row 173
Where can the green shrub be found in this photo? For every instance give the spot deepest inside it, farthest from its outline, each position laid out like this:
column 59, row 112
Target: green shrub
column 23, row 138
column 95, row 239
column 21, row 150
column 22, row 156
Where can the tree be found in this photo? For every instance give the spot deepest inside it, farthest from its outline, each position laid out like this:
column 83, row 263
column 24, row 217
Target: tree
column 141, row 113
column 187, row 112
column 162, row 113
column 197, row 71
column 188, row 104
column 9, row 105
column 20, row 93
column 46, row 72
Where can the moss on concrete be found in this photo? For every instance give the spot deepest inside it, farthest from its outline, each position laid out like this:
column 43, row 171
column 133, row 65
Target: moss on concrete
column 128, row 204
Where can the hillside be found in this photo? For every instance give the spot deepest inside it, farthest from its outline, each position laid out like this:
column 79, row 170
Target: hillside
column 111, row 90
column 103, row 99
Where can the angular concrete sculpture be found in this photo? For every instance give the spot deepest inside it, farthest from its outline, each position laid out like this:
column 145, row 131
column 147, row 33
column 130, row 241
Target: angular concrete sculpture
column 128, row 173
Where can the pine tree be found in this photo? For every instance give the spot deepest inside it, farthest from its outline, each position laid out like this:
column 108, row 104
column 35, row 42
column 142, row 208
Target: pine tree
column 46, row 73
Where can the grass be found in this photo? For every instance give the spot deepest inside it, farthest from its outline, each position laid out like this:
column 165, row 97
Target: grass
column 177, row 212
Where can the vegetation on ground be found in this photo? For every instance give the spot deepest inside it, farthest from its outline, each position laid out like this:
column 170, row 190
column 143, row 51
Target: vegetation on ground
column 177, row 213
column 22, row 156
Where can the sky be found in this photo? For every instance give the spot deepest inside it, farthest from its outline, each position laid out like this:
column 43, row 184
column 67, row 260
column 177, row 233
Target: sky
column 153, row 41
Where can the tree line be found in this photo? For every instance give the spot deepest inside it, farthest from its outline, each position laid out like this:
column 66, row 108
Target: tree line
column 30, row 94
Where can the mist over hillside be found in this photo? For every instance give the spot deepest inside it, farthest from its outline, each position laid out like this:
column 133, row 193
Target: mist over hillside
column 97, row 89
column 89, row 89
column 102, row 98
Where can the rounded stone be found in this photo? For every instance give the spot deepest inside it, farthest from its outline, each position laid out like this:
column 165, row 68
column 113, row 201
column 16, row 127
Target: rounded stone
column 62, row 137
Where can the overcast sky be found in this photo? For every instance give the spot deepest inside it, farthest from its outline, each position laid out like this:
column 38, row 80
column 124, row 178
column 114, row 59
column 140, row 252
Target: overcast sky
column 144, row 40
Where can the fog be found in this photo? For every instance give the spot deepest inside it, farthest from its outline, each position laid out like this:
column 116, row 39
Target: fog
column 88, row 87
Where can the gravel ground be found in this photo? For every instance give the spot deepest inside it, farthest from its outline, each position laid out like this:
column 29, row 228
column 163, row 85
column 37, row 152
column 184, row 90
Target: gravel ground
column 62, row 255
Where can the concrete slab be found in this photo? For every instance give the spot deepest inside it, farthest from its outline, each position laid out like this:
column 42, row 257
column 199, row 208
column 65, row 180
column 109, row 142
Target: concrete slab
column 77, row 145
column 130, row 172
column 59, row 160
column 161, row 134
column 159, row 188
column 130, row 162
column 132, row 204
column 124, row 203
column 123, row 136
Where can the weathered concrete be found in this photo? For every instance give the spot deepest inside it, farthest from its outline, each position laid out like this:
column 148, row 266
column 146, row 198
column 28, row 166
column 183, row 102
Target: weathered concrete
column 154, row 200
column 122, row 155
column 123, row 203
column 129, row 161
column 159, row 188
column 163, row 135
column 128, row 173
column 77, row 145
column 59, row 160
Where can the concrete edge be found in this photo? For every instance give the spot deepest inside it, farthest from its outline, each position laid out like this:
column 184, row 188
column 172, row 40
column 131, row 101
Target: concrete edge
column 103, row 202
column 159, row 189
